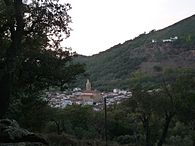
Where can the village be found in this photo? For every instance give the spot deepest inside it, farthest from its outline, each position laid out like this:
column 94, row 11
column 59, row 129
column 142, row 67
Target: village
column 62, row 99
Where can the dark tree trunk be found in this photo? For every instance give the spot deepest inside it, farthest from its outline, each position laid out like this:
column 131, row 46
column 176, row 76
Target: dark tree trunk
column 146, row 125
column 57, row 126
column 193, row 140
column 147, row 132
column 168, row 119
column 5, row 94
column 16, row 27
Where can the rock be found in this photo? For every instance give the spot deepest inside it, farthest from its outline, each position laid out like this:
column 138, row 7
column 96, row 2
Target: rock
column 11, row 132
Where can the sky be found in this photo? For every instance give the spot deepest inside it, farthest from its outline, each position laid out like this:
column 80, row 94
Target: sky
column 100, row 24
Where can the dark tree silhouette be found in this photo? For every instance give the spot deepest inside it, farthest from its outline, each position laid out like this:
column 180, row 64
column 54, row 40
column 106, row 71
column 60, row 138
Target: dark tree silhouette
column 37, row 25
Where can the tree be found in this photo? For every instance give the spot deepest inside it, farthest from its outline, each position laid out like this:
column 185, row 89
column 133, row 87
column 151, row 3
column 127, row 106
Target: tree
column 161, row 104
column 184, row 85
column 36, row 26
column 178, row 86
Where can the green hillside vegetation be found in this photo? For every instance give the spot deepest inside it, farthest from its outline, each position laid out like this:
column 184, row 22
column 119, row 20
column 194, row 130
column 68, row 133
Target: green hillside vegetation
column 113, row 67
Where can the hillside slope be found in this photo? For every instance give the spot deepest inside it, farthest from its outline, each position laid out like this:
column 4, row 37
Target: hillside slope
column 146, row 53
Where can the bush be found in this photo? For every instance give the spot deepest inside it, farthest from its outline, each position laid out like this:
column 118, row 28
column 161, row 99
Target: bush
column 61, row 140
column 124, row 139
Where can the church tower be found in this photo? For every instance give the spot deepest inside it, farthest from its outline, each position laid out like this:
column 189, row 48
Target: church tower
column 88, row 85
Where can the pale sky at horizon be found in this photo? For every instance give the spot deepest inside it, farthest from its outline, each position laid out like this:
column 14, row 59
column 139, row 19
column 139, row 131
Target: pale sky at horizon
column 100, row 24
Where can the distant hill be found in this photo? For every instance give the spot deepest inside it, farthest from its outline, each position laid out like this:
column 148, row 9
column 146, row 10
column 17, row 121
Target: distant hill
column 171, row 47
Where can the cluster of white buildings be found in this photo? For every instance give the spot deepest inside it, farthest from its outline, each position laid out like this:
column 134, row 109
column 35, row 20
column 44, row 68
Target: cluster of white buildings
column 58, row 99
column 171, row 39
column 61, row 99
column 117, row 96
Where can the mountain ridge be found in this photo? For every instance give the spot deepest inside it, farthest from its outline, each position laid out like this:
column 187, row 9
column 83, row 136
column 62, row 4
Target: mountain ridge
column 112, row 68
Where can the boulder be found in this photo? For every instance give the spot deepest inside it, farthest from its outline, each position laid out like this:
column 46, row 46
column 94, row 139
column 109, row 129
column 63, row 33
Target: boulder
column 11, row 132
